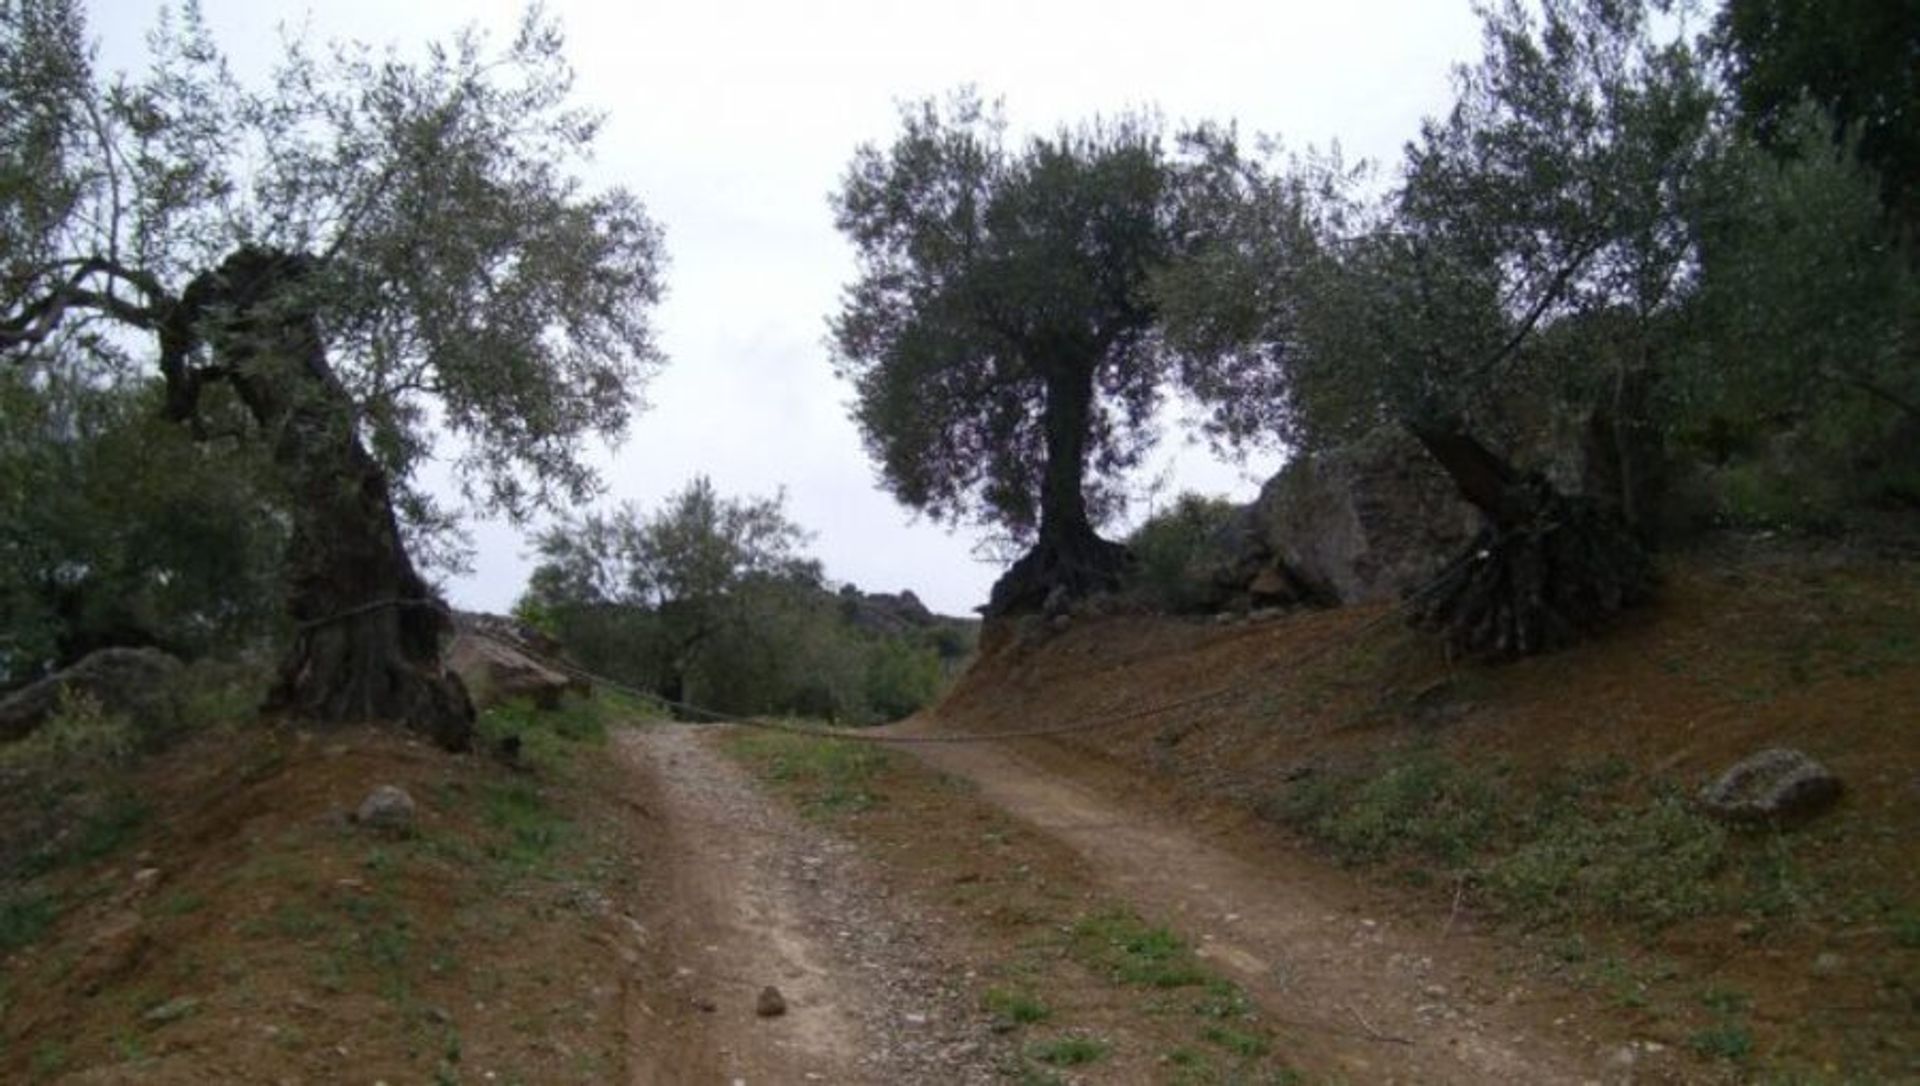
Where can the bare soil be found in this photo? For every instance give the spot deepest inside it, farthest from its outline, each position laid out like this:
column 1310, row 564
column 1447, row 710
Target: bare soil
column 758, row 898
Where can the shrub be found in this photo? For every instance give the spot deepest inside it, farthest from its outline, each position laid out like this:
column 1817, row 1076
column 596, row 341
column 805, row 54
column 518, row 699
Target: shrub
column 1170, row 552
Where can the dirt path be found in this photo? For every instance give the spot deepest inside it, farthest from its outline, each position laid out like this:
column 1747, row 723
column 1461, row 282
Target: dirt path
column 756, row 897
column 1353, row 996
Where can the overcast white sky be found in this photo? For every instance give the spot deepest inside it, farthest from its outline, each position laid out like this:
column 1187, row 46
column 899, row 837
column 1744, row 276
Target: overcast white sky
column 733, row 122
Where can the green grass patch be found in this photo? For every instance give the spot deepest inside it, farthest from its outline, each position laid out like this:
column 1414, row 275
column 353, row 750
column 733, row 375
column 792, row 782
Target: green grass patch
column 826, row 776
column 1653, row 864
column 1021, row 1008
column 1247, row 1046
column 25, row 918
column 548, row 738
column 1585, row 842
column 1069, row 1051
column 1118, row 943
column 526, row 829
column 1728, row 1041
column 1423, row 803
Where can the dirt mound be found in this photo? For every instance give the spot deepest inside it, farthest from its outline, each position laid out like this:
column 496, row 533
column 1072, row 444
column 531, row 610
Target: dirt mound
column 238, row 926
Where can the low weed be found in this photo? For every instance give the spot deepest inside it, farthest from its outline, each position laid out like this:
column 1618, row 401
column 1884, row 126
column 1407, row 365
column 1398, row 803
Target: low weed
column 827, row 776
column 1727, row 1041
column 527, row 828
column 547, row 738
column 81, row 739
column 1247, row 1046
column 1572, row 846
column 1652, row 864
column 1120, row 944
column 1424, row 803
column 1020, row 1008
column 1069, row 1051
column 26, row 917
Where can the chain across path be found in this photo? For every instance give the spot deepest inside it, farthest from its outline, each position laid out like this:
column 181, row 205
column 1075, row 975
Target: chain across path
column 863, row 735
column 860, row 735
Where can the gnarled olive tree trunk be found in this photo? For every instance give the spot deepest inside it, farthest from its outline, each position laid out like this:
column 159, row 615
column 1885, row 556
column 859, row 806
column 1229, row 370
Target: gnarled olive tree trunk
column 1547, row 567
column 367, row 642
column 1069, row 558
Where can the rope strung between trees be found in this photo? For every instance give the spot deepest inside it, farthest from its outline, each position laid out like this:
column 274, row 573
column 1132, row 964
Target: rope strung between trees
column 1084, row 724
column 714, row 716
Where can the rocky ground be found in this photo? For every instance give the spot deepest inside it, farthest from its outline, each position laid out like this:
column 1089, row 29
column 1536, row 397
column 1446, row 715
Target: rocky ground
column 763, row 899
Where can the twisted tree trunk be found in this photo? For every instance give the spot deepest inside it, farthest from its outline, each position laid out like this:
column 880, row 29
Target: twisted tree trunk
column 367, row 645
column 1545, row 570
column 1069, row 560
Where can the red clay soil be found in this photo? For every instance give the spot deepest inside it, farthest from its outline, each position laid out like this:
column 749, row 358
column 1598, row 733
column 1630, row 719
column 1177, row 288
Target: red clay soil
column 249, row 932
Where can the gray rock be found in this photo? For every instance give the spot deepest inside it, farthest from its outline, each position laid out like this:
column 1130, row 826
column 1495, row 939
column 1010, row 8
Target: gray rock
column 172, row 1010
column 495, row 671
column 388, row 809
column 136, row 682
column 1364, row 522
column 771, row 1003
column 1779, row 783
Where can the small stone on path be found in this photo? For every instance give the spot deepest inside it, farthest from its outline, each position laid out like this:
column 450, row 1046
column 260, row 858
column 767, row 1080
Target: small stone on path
column 387, row 808
column 771, row 1003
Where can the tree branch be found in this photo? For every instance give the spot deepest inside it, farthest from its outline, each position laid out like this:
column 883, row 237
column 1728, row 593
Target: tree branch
column 41, row 317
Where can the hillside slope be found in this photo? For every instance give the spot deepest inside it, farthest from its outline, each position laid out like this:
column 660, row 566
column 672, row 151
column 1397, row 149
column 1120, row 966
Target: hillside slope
column 1544, row 807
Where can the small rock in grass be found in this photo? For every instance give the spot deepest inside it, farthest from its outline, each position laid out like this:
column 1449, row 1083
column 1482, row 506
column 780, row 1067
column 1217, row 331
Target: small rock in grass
column 388, row 809
column 1773, row 785
column 771, row 1003
column 172, row 1010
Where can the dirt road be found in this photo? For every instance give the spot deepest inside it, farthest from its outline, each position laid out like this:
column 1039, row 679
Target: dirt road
column 756, row 898
column 1355, row 998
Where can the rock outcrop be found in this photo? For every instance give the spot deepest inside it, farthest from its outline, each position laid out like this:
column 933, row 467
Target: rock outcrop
column 494, row 658
column 136, row 682
column 885, row 613
column 1357, row 524
column 1365, row 522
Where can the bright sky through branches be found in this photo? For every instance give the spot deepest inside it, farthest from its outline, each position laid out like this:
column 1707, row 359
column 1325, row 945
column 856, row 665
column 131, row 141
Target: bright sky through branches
column 733, row 121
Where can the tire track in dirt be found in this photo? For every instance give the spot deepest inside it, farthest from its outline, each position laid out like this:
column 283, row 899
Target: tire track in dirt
column 754, row 896
column 1351, row 996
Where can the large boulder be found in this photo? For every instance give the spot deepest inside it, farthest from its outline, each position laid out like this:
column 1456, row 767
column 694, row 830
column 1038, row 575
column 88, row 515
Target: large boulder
column 494, row 670
column 1364, row 522
column 135, row 682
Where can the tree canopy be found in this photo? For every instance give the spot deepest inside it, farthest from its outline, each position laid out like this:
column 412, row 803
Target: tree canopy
column 711, row 601
column 367, row 252
column 1002, row 338
column 1854, row 59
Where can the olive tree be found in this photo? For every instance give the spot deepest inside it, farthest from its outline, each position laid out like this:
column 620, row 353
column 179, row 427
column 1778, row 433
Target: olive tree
column 1535, row 246
column 1002, row 337
column 668, row 587
column 364, row 254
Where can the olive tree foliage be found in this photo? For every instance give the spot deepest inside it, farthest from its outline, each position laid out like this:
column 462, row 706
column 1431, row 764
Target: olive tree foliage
column 366, row 253
column 711, row 601
column 458, row 265
column 1854, row 60
column 116, row 529
column 1002, row 339
column 1528, row 261
column 1557, row 189
column 665, row 588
